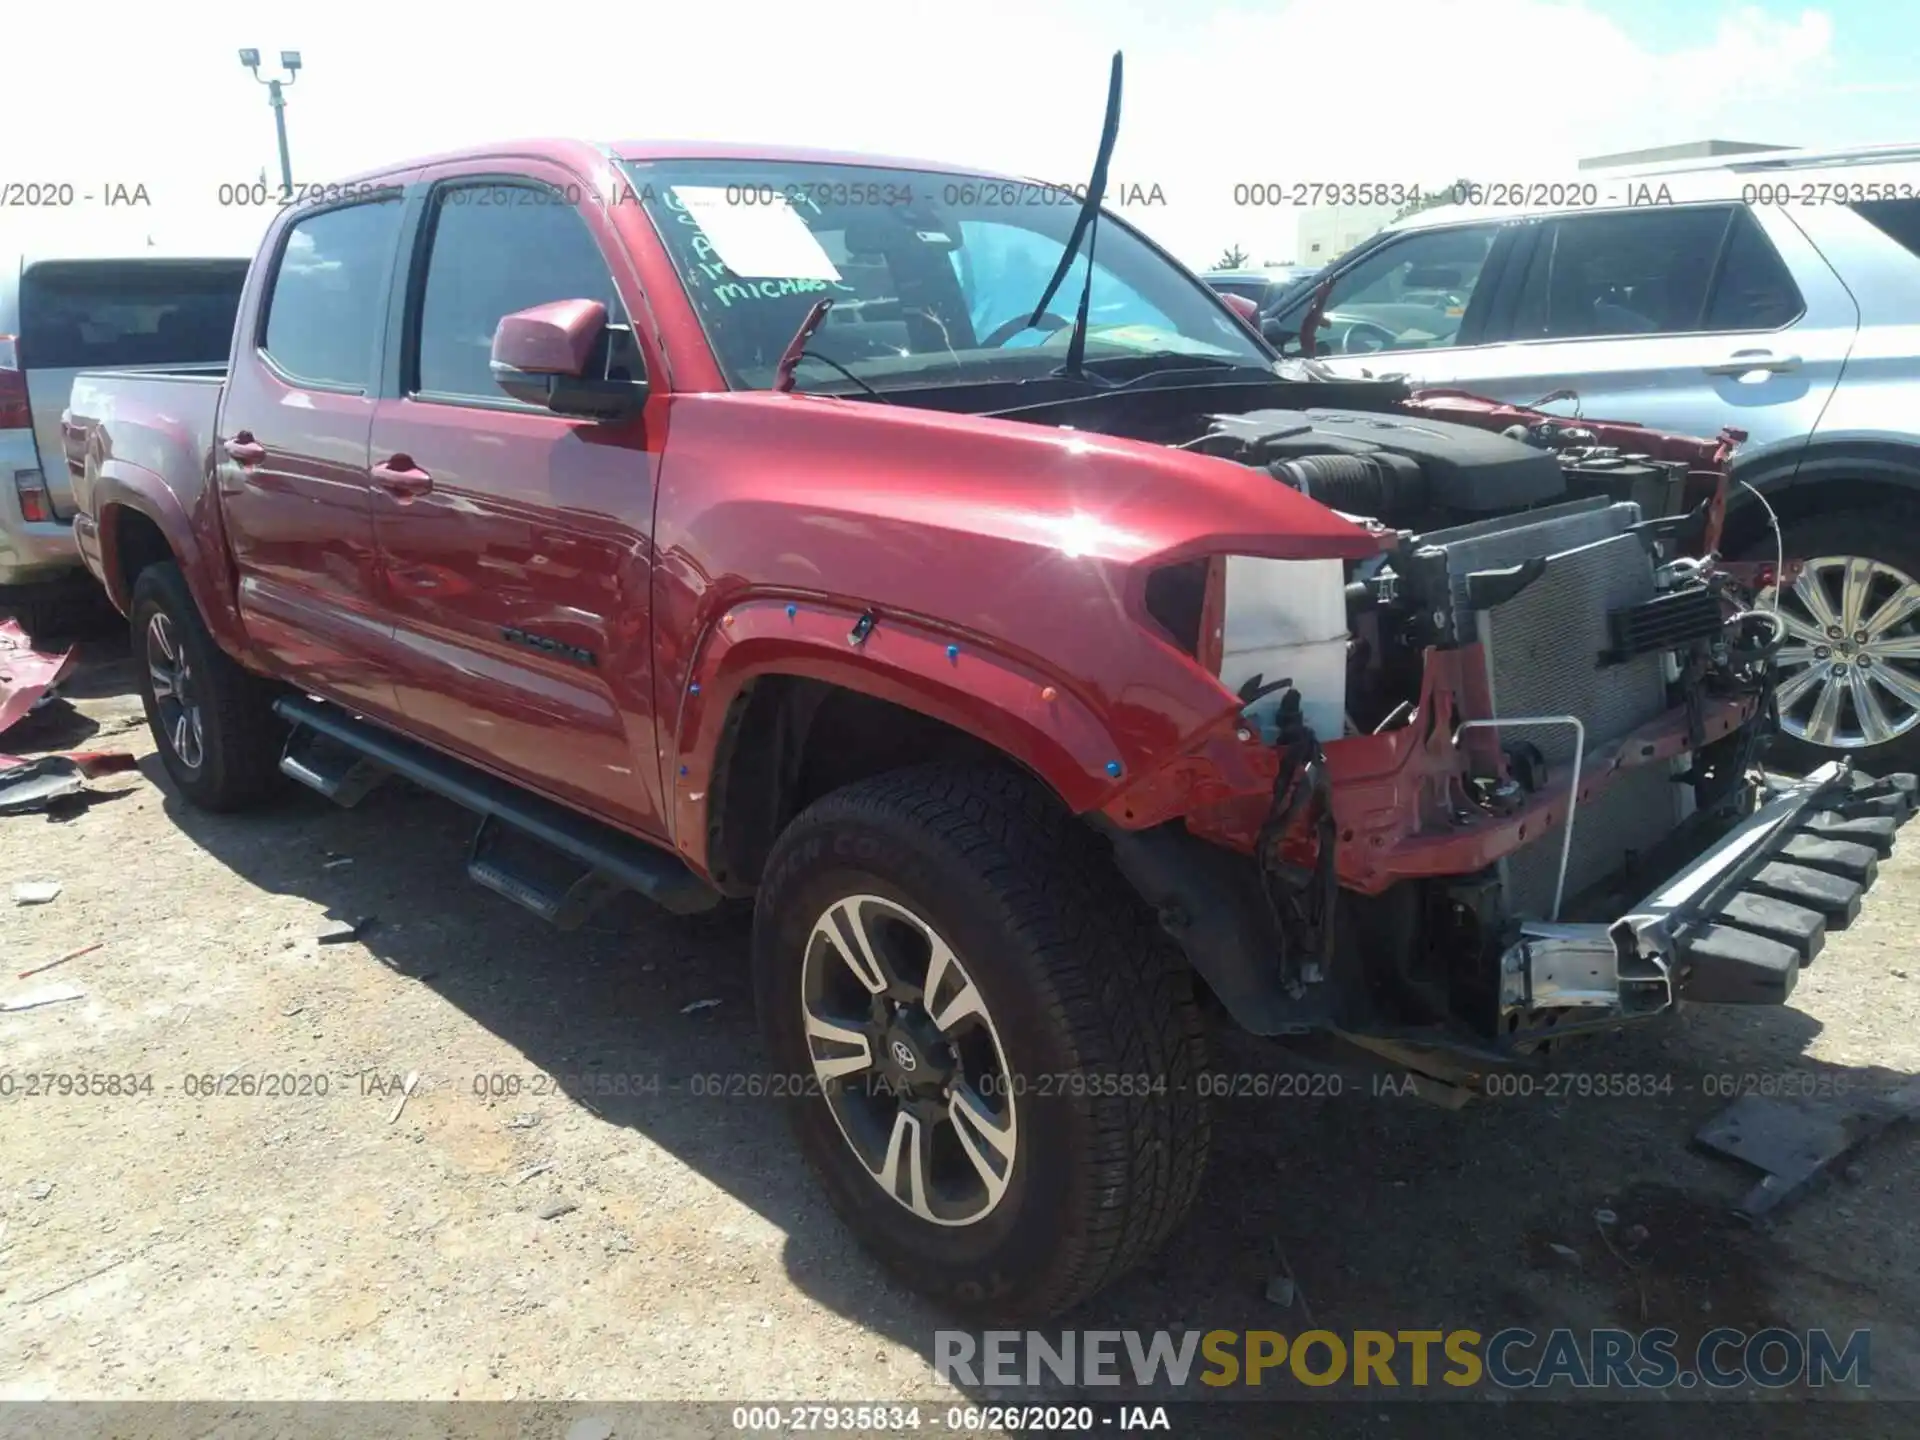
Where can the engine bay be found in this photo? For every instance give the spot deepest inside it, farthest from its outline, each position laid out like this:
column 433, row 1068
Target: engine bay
column 1546, row 597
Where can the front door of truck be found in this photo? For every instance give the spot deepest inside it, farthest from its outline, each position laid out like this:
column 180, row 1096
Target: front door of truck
column 516, row 543
column 290, row 452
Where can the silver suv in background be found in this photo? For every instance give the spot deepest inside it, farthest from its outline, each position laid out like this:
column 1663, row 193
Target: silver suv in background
column 1778, row 293
column 60, row 315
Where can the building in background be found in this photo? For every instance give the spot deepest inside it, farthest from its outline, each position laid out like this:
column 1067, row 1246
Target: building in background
column 1691, row 150
column 1327, row 232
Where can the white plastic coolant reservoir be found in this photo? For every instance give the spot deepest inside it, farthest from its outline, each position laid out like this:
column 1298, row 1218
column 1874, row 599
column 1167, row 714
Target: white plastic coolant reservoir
column 1287, row 620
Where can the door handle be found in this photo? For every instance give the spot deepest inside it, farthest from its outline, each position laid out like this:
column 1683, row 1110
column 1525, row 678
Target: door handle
column 244, row 449
column 401, row 478
column 1745, row 362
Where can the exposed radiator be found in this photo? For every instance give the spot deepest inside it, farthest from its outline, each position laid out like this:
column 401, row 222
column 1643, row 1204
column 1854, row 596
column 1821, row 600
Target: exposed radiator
column 1544, row 654
column 1638, row 810
column 1544, row 648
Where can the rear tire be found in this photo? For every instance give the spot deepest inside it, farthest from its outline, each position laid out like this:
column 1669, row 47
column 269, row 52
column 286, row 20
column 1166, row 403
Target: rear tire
column 1088, row 1040
column 1827, row 712
column 212, row 721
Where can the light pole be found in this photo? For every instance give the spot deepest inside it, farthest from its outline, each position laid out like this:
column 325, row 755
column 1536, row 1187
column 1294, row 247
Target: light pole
column 276, row 97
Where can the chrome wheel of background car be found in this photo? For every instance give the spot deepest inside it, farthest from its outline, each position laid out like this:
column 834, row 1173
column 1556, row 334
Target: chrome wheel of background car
column 1849, row 674
column 908, row 1060
column 175, row 706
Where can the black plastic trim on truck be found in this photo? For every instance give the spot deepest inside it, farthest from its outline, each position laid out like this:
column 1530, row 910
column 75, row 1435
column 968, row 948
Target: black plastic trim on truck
column 656, row 874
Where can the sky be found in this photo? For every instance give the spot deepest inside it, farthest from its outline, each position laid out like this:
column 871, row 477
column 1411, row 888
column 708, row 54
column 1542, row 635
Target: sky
column 1219, row 93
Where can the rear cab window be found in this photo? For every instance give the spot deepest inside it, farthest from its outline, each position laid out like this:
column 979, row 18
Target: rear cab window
column 102, row 314
column 324, row 314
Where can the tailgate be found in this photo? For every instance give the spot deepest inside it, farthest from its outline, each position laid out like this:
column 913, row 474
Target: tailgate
column 134, row 314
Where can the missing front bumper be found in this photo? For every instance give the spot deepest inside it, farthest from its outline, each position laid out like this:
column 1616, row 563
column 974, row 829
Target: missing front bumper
column 1734, row 927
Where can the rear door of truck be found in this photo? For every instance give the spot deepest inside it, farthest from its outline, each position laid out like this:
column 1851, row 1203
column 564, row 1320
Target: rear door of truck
column 290, row 452
column 517, row 543
column 122, row 314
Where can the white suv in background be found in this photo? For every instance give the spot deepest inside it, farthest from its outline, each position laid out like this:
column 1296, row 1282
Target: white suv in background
column 61, row 314
column 1777, row 292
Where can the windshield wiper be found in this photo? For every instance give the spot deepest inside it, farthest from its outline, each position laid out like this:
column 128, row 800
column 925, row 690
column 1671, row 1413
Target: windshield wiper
column 797, row 351
column 797, row 346
column 1085, row 225
column 829, row 360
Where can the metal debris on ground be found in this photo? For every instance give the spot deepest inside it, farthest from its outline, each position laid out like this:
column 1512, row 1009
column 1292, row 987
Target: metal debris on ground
column 531, row 1171
column 339, row 932
column 26, row 674
column 36, row 892
column 47, row 995
column 70, row 955
column 1795, row 1142
column 698, row 1005
column 406, row 1090
column 27, row 785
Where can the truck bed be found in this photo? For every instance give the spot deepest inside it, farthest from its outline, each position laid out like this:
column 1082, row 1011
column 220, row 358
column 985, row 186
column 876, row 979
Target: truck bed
column 157, row 421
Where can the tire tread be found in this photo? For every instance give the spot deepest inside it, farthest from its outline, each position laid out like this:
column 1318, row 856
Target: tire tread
column 1109, row 981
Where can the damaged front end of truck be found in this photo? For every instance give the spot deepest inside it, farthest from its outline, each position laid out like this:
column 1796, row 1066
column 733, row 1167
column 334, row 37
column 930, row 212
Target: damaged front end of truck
column 1503, row 782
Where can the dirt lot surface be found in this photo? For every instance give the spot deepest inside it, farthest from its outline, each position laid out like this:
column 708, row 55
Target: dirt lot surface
column 514, row 1230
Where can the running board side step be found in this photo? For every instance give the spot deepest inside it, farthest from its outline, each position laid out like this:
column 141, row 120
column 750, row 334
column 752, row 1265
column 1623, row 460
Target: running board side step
column 337, row 771
column 537, row 853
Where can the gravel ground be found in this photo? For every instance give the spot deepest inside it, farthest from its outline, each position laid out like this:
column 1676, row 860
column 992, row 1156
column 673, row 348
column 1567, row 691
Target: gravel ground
column 514, row 1231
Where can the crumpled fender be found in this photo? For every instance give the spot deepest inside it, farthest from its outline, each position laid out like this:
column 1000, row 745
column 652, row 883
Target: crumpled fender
column 1008, row 701
column 1027, row 547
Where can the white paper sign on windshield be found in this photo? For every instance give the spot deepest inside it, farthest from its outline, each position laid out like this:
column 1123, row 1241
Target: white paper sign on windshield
column 764, row 240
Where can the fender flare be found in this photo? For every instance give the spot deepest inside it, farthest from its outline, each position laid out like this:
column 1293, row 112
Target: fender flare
column 118, row 487
column 1010, row 703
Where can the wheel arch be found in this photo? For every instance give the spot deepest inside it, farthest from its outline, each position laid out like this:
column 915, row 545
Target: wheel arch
column 142, row 522
column 1831, row 474
column 782, row 708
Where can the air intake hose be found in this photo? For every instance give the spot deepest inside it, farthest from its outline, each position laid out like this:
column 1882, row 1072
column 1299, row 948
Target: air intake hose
column 1380, row 485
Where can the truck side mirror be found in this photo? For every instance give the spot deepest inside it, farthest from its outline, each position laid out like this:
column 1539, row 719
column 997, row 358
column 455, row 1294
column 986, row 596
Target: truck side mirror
column 556, row 356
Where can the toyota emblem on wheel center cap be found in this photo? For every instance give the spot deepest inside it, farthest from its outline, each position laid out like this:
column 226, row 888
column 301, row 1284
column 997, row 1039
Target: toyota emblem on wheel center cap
column 903, row 1055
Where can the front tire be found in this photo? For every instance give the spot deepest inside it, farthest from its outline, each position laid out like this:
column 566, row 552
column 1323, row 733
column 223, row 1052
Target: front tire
column 995, row 1052
column 1849, row 673
column 212, row 721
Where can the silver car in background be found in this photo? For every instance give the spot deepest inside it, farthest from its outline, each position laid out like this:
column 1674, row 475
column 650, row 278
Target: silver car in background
column 59, row 315
column 1776, row 292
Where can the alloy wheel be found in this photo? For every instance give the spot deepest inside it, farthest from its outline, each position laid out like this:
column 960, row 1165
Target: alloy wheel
column 176, row 707
column 908, row 1060
column 1849, row 674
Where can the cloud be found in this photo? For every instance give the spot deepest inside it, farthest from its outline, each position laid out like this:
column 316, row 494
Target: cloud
column 1393, row 90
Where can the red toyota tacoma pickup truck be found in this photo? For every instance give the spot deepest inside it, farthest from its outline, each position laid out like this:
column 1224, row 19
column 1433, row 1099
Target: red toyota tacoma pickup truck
column 1048, row 674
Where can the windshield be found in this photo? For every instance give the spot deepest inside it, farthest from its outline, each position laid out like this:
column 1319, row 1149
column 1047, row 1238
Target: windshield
column 933, row 276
